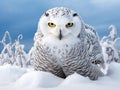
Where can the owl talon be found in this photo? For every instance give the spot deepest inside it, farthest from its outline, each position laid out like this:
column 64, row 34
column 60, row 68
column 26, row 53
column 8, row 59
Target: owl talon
column 96, row 62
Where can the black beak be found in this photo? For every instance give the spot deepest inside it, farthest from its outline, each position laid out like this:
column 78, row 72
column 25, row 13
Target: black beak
column 60, row 35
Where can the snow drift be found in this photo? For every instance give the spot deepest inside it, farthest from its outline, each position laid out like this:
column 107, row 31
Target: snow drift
column 15, row 78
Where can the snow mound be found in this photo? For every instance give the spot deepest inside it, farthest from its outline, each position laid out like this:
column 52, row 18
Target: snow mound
column 10, row 73
column 16, row 78
column 38, row 79
column 74, row 79
column 114, row 72
column 109, row 81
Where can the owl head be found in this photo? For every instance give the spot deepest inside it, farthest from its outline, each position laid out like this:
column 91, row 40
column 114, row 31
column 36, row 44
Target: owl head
column 60, row 23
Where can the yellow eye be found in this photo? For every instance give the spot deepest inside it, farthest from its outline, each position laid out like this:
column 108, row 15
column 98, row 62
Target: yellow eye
column 52, row 25
column 69, row 25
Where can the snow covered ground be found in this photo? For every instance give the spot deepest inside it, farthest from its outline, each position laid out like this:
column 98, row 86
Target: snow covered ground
column 16, row 78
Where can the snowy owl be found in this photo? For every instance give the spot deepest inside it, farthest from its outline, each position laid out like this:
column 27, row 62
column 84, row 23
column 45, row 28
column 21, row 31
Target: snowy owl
column 64, row 44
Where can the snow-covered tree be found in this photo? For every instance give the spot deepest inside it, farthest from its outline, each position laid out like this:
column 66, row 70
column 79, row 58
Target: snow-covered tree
column 30, row 57
column 108, row 44
column 20, row 54
column 14, row 53
column 7, row 54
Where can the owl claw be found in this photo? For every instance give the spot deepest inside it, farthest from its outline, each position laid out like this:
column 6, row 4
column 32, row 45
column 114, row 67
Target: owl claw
column 96, row 62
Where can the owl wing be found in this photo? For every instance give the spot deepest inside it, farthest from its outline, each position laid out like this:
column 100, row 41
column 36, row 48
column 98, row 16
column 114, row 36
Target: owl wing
column 95, row 49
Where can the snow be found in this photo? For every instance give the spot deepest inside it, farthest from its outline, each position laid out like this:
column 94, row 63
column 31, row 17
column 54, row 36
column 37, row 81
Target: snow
column 38, row 79
column 10, row 74
column 113, row 32
column 16, row 78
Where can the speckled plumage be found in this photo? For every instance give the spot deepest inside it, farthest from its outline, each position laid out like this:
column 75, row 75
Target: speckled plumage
column 78, row 51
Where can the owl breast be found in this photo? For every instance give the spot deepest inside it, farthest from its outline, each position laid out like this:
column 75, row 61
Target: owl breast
column 59, row 49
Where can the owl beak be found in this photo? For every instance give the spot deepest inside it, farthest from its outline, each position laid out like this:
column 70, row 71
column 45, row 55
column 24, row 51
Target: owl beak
column 60, row 35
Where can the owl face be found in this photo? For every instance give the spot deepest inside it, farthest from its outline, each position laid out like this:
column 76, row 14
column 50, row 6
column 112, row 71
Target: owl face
column 60, row 23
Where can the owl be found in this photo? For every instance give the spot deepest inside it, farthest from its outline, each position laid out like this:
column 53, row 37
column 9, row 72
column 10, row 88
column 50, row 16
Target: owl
column 64, row 44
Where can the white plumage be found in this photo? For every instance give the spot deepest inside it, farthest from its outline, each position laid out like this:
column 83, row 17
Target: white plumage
column 64, row 44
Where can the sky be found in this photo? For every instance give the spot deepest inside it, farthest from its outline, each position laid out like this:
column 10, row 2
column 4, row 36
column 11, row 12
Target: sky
column 22, row 16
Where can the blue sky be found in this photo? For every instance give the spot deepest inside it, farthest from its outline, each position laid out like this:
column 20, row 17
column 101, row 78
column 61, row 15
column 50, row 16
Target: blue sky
column 22, row 16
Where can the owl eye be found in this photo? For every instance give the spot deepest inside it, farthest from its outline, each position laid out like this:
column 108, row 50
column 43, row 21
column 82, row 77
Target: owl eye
column 52, row 25
column 69, row 25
